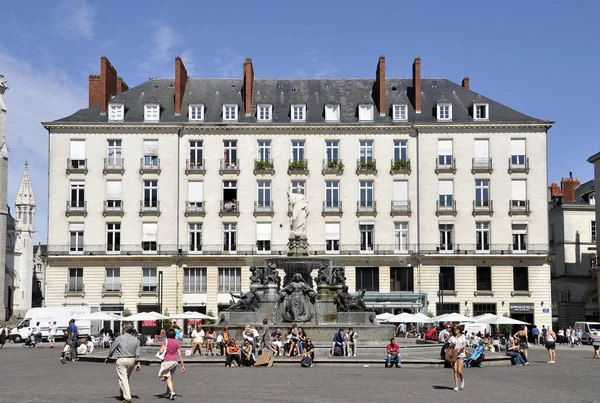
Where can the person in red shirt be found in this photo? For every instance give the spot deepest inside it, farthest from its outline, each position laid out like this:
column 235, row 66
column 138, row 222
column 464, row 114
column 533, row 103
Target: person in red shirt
column 393, row 354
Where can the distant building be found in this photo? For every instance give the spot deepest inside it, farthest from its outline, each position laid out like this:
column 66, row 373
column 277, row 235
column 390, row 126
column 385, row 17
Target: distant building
column 40, row 259
column 4, row 213
column 595, row 159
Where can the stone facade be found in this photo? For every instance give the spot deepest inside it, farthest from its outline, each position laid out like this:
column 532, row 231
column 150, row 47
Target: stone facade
column 595, row 159
column 3, row 199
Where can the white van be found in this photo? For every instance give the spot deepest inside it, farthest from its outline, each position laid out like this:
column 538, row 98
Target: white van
column 62, row 316
column 588, row 329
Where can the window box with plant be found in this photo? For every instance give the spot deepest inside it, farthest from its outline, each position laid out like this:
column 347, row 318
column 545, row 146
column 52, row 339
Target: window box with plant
column 299, row 167
column 366, row 167
column 400, row 167
column 333, row 167
column 264, row 167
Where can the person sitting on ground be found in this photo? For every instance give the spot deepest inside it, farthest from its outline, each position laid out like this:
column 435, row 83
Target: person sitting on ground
column 211, row 336
column 294, row 340
column 512, row 350
column 161, row 336
column 276, row 344
column 309, row 352
column 197, row 339
column 83, row 346
column 224, row 340
column 487, row 344
column 66, row 351
column 233, row 354
column 248, row 357
column 473, row 340
column 302, row 340
column 393, row 354
column 339, row 341
column 352, row 341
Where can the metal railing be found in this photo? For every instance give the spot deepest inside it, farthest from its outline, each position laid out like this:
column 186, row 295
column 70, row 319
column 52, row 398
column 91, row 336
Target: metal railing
column 76, row 166
column 298, row 167
column 111, row 289
column 113, row 207
column 229, row 208
column 149, row 207
column 229, row 167
column 481, row 165
column 517, row 167
column 400, row 166
column 332, row 208
column 483, row 207
column 114, row 165
column 485, row 248
column 264, row 167
column 195, row 166
column 78, row 289
column 152, row 166
column 400, row 207
column 366, row 167
column 444, row 167
column 149, row 290
column 516, row 207
column 76, row 208
column 265, row 208
column 194, row 208
column 445, row 209
column 366, row 208
column 332, row 167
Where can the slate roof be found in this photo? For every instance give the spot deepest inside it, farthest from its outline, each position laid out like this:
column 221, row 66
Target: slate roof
column 315, row 93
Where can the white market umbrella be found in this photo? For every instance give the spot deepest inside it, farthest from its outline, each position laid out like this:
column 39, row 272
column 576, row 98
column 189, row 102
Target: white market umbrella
column 384, row 316
column 453, row 317
column 100, row 316
column 501, row 320
column 144, row 316
column 420, row 318
column 402, row 318
column 485, row 316
column 191, row 315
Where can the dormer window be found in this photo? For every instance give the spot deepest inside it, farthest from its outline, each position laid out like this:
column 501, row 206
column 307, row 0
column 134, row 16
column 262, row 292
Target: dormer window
column 399, row 112
column 263, row 113
column 332, row 113
column 481, row 111
column 365, row 112
column 196, row 113
column 230, row 112
column 444, row 111
column 116, row 112
column 151, row 113
column 298, row 113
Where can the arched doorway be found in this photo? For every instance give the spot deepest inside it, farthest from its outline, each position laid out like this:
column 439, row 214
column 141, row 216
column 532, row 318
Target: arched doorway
column 590, row 301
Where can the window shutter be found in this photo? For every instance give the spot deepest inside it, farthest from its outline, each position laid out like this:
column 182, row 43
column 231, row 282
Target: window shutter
column 77, row 149
column 332, row 231
column 151, row 148
column 113, row 190
column 519, row 228
column 517, row 147
column 519, row 189
column 76, row 227
column 263, row 231
column 400, row 190
column 149, row 230
column 195, row 191
column 444, row 147
column 482, row 149
column 446, row 187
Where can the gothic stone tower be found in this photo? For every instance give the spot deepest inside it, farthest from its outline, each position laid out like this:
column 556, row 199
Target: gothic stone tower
column 3, row 196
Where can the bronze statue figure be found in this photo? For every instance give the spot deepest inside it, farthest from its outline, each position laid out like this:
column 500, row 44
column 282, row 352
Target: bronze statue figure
column 347, row 303
column 298, row 296
column 247, row 302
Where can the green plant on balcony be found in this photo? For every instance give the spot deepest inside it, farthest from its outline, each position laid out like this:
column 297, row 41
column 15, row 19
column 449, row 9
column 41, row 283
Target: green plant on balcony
column 300, row 165
column 367, row 165
column 335, row 164
column 262, row 165
column 401, row 165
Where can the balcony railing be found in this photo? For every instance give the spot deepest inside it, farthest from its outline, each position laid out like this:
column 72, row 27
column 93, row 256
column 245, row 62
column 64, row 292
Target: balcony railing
column 262, row 167
column 148, row 290
column 149, row 207
column 443, row 166
column 519, row 207
column 78, row 208
column 195, row 167
column 400, row 167
column 111, row 290
column 516, row 167
column 299, row 167
column 195, row 209
column 77, row 290
column 445, row 209
column 229, row 167
column 366, row 167
column 113, row 208
column 263, row 209
column 76, row 166
column 332, row 209
column 482, row 248
column 229, row 208
column 400, row 208
column 332, row 167
column 151, row 166
column 483, row 207
column 366, row 209
column 114, row 166
column 481, row 165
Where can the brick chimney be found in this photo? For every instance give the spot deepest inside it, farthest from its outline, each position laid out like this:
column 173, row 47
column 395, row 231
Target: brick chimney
column 555, row 190
column 121, row 85
column 568, row 187
column 181, row 79
column 102, row 87
column 417, row 84
column 465, row 82
column 248, row 86
column 380, row 86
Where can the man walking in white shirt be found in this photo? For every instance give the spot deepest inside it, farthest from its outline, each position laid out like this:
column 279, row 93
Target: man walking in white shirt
column 52, row 333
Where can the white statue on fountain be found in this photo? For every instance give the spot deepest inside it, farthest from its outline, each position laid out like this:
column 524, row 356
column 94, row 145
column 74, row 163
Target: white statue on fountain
column 298, row 203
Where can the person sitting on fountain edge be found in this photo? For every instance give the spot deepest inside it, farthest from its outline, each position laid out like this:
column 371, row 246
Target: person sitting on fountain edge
column 276, row 344
column 339, row 343
column 393, row 354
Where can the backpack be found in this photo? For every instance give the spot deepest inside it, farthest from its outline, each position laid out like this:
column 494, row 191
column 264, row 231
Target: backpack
column 337, row 351
column 306, row 362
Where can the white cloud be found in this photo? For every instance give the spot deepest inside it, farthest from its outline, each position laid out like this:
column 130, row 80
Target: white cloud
column 164, row 45
column 229, row 63
column 35, row 94
column 74, row 18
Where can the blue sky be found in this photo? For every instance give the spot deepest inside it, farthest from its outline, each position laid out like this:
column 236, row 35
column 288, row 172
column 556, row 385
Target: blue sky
column 539, row 57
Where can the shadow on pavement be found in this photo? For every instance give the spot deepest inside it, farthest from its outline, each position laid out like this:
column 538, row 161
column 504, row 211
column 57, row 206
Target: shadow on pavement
column 442, row 387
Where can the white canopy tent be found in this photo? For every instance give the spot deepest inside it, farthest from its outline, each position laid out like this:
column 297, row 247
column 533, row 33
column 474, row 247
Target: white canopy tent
column 420, row 318
column 191, row 316
column 100, row 316
column 453, row 317
column 500, row 320
column 383, row 317
column 402, row 318
column 144, row 316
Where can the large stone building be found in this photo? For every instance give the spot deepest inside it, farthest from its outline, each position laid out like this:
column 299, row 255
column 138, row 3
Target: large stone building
column 595, row 159
column 573, row 233
column 432, row 195
column 3, row 198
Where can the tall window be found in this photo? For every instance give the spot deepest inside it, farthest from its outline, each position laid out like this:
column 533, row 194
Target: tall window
column 195, row 195
column 264, row 193
column 402, row 279
column 264, row 150
column 230, row 279
column 229, row 237
column 113, row 194
column 332, row 237
column 230, row 112
column 481, row 308
column 520, row 279
column 444, row 112
column 298, row 187
column 196, row 153
column 332, row 113
column 518, row 193
column 195, row 237
column 150, row 193
column 367, row 240
column 400, row 150
column 367, row 278
column 77, row 154
column 366, row 193
column 77, row 194
column 482, row 192
column 263, row 113
column 366, row 150
column 481, row 111
column 149, row 237
column 446, row 237
column 149, row 279
column 229, row 152
column 297, row 150
column 332, row 150
column 76, row 280
column 263, row 236
column 482, row 236
column 332, row 193
column 196, row 113
column 194, row 279
column 445, row 152
column 365, row 112
column 484, row 279
column 519, row 234
column 150, row 153
column 113, row 279
column 399, row 112
column 298, row 113
column 517, row 153
column 593, row 231
column 76, row 237
column 447, row 278
column 401, row 236
column 114, row 156
column 113, row 237
column 446, row 193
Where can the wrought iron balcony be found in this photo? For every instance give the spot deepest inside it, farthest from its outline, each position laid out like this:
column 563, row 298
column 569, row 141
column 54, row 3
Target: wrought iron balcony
column 447, row 209
column 76, row 166
column 229, row 167
column 366, row 167
column 400, row 208
column 111, row 290
column 332, row 167
column 519, row 207
column 332, row 208
column 517, row 167
column 443, row 166
column 149, row 207
column 299, row 167
column 151, row 166
column 366, row 208
column 482, row 248
column 483, row 207
column 481, row 165
column 75, row 290
column 229, row 208
column 264, row 167
column 195, row 167
column 399, row 167
column 77, row 208
column 194, row 209
column 263, row 209
column 147, row 290
column 113, row 208
column 114, row 166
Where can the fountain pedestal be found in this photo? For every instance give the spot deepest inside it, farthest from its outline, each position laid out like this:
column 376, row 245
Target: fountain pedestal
column 326, row 308
column 268, row 297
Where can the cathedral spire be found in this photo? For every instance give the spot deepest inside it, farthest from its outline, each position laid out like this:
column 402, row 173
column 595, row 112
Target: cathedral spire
column 25, row 197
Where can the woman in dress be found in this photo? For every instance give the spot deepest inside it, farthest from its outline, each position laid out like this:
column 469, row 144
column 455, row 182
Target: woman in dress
column 521, row 335
column 458, row 341
column 211, row 336
column 167, row 368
